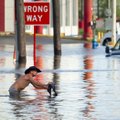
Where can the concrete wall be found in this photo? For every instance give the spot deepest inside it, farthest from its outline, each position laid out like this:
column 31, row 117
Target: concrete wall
column 9, row 16
column 2, row 14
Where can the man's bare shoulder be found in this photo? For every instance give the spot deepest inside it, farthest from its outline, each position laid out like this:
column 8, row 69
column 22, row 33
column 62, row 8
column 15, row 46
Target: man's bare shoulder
column 26, row 77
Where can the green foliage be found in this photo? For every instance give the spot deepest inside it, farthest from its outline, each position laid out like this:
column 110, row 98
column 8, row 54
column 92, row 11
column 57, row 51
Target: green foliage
column 118, row 12
column 102, row 7
column 81, row 31
column 118, row 9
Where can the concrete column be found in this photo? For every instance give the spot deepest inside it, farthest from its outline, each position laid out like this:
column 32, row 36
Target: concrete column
column 20, row 33
column 2, row 15
column 114, row 22
column 87, row 19
column 56, row 27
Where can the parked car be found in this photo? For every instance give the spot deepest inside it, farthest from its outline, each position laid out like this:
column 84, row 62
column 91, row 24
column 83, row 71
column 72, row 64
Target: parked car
column 109, row 50
column 108, row 35
column 108, row 38
column 113, row 50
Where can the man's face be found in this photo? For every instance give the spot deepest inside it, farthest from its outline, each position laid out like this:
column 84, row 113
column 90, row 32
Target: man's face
column 34, row 73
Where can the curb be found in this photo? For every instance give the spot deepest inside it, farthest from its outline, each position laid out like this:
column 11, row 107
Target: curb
column 6, row 34
column 41, row 35
column 79, row 38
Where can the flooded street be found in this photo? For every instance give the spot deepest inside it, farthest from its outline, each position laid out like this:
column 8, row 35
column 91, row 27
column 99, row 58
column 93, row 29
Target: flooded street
column 88, row 84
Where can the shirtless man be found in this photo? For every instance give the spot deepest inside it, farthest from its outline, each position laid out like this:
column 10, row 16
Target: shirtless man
column 26, row 79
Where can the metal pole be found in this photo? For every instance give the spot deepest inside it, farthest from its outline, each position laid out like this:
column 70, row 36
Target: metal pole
column 114, row 22
column 34, row 46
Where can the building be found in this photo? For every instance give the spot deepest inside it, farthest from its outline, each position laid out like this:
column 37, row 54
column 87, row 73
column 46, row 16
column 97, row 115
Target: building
column 7, row 16
column 68, row 15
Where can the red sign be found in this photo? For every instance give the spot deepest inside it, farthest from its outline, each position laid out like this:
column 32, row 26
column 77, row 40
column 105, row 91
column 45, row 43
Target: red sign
column 37, row 13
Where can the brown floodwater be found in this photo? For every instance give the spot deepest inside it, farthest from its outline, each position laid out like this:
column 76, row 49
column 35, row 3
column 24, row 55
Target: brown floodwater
column 88, row 84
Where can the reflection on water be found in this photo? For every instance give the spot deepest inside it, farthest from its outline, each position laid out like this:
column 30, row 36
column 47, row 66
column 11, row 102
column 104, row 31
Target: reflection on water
column 87, row 89
column 2, row 58
column 56, row 76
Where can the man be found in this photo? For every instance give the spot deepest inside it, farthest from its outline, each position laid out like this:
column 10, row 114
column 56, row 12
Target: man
column 24, row 80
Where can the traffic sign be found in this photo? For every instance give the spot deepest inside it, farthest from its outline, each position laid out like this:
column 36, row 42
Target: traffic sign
column 37, row 13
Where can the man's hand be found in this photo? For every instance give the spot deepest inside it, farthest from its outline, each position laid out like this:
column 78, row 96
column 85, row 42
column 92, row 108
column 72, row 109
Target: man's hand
column 51, row 86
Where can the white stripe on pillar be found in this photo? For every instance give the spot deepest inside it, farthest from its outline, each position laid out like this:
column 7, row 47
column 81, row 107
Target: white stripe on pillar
column 9, row 16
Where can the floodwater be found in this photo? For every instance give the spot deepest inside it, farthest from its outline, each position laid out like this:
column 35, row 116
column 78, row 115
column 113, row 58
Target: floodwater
column 88, row 84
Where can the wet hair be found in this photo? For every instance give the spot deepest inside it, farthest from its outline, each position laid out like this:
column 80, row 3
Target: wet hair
column 32, row 68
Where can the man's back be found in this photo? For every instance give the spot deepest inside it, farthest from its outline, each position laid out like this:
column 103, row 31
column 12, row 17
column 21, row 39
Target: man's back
column 21, row 82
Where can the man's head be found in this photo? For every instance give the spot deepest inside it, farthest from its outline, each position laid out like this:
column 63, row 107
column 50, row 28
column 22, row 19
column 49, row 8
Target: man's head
column 34, row 70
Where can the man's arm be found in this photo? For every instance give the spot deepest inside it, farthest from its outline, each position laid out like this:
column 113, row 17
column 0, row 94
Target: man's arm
column 50, row 86
column 40, row 86
column 37, row 84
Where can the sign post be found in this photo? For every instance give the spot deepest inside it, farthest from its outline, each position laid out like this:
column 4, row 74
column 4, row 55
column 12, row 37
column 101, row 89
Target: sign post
column 34, row 46
column 36, row 13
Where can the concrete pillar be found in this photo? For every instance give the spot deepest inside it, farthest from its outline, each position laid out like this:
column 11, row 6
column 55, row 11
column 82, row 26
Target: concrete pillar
column 2, row 15
column 87, row 19
column 114, row 22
